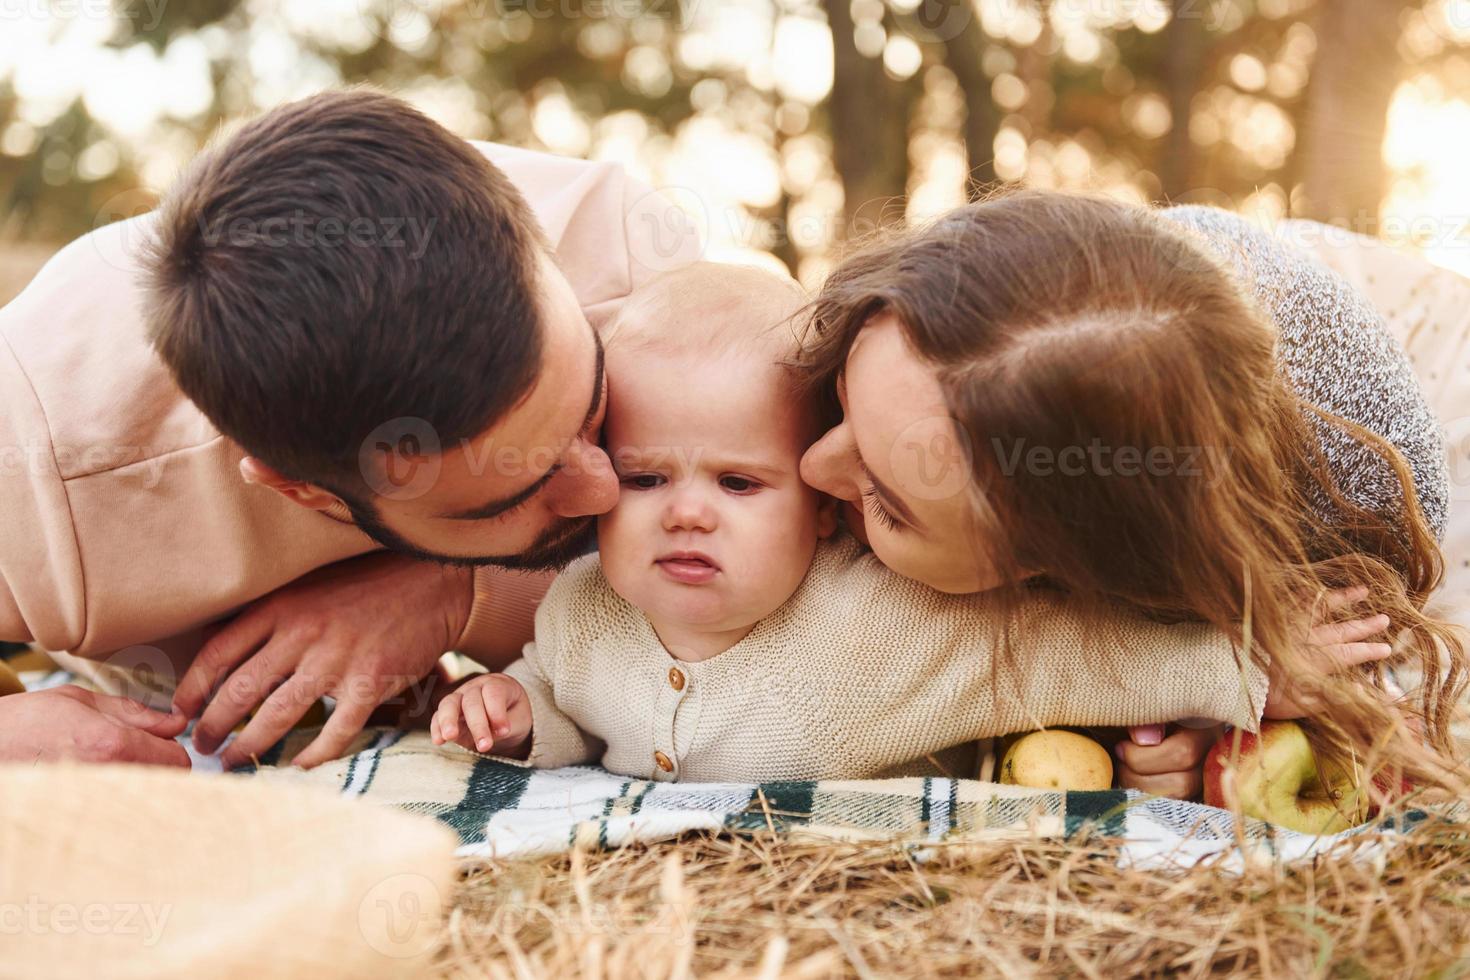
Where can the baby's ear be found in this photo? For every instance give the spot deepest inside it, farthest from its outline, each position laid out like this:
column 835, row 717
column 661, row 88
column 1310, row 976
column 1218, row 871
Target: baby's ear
column 826, row 516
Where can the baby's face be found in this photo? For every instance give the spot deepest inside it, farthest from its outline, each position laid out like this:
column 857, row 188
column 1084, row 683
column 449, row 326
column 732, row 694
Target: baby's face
column 713, row 529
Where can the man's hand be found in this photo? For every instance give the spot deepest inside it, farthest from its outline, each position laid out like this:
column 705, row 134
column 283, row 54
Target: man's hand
column 487, row 711
column 360, row 631
column 69, row 722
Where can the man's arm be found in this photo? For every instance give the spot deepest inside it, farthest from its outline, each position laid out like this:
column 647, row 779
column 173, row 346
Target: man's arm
column 13, row 628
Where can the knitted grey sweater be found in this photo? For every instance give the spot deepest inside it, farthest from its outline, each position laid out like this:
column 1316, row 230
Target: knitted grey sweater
column 1338, row 355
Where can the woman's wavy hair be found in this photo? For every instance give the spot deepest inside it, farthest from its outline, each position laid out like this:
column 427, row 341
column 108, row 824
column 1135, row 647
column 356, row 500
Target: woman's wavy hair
column 1060, row 321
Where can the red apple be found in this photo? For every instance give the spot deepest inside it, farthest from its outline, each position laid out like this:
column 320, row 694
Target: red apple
column 1276, row 778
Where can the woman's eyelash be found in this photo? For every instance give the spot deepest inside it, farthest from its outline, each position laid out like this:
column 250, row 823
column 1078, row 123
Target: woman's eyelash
column 875, row 507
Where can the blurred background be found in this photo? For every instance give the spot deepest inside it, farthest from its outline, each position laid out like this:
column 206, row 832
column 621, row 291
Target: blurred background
column 783, row 126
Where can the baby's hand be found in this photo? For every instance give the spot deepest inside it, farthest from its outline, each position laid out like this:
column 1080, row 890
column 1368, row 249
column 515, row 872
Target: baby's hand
column 1331, row 647
column 488, row 711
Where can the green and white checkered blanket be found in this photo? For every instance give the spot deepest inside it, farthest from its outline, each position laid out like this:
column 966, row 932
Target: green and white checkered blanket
column 506, row 809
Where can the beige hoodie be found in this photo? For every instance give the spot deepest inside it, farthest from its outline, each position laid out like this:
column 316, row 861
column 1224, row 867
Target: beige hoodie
column 123, row 517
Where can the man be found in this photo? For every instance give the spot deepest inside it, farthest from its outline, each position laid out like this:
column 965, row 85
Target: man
column 345, row 330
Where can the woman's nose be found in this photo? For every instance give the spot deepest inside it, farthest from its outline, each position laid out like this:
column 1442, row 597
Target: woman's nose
column 586, row 486
column 830, row 465
column 689, row 510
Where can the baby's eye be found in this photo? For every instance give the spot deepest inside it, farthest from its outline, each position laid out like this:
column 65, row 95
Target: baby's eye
column 642, row 481
column 738, row 484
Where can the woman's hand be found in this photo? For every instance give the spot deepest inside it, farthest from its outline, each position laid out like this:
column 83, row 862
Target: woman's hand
column 1172, row 765
column 1165, row 766
column 1331, row 647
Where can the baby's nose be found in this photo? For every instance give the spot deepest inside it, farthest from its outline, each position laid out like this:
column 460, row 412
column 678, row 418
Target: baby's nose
column 690, row 510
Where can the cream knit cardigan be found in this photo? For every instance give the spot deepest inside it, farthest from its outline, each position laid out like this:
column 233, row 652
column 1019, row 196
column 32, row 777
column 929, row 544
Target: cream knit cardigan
column 860, row 673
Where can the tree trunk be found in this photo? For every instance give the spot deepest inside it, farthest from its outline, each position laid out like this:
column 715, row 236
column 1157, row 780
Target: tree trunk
column 1186, row 41
column 1352, row 82
column 962, row 54
column 869, row 120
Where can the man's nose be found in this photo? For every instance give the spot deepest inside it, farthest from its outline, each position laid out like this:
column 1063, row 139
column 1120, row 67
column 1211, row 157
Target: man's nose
column 830, row 465
column 586, row 486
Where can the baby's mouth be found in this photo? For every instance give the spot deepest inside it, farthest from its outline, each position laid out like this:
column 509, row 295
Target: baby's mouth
column 688, row 557
column 691, row 567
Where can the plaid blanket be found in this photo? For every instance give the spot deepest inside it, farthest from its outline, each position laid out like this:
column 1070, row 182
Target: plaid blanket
column 505, row 809
column 502, row 808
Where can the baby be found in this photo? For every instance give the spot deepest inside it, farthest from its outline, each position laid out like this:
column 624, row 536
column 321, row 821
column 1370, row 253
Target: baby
column 728, row 631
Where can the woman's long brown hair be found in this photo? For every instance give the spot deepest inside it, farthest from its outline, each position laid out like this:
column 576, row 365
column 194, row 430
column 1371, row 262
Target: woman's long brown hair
column 1064, row 323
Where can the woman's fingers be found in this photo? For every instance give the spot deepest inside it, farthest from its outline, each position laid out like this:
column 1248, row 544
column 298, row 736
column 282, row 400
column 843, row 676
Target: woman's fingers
column 1178, row 785
column 1352, row 631
column 1183, row 751
column 1342, row 598
column 1352, row 654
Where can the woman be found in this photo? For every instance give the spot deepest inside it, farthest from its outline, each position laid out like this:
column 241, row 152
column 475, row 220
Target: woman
column 1164, row 410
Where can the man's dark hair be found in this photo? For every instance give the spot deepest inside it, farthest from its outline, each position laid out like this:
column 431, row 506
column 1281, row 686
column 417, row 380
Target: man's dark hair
column 338, row 263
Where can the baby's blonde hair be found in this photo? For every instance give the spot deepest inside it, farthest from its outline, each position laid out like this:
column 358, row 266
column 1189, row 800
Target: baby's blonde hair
column 712, row 308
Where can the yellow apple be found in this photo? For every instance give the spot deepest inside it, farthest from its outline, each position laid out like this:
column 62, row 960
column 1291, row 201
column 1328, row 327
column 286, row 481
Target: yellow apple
column 1057, row 759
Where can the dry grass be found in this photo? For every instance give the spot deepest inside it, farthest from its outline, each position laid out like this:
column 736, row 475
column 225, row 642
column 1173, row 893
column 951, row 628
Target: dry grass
column 776, row 907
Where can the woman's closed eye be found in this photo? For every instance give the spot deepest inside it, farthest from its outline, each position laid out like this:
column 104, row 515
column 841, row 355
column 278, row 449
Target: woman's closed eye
column 874, row 505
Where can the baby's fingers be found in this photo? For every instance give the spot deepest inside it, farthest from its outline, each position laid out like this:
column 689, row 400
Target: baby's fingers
column 1332, row 634
column 473, row 709
column 495, row 709
column 446, row 719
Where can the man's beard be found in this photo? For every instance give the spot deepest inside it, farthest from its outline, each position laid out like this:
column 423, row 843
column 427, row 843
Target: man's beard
column 554, row 548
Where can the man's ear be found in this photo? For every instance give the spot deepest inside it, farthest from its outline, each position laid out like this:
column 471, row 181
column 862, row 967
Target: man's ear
column 827, row 516
column 308, row 495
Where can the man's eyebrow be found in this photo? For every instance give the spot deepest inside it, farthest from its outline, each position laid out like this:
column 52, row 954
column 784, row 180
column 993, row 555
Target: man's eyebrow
column 889, row 497
column 596, row 383
column 495, row 508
